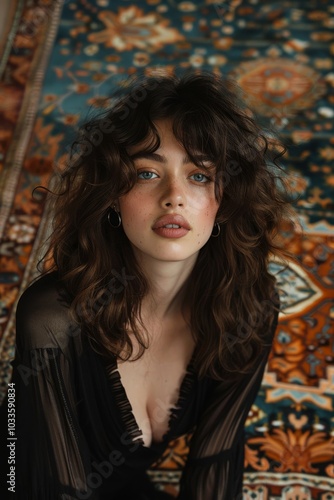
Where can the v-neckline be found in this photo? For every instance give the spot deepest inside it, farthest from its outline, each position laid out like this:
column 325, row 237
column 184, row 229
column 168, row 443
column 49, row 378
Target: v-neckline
column 128, row 418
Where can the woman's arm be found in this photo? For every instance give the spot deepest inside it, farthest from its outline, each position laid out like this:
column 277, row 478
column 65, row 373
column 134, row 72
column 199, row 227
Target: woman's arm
column 52, row 461
column 214, row 469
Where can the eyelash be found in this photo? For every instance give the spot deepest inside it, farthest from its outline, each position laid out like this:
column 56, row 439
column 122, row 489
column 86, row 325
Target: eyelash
column 208, row 179
column 145, row 172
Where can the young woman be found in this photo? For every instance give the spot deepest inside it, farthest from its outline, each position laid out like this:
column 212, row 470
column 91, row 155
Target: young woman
column 157, row 316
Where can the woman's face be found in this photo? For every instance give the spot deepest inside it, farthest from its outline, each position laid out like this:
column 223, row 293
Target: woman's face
column 170, row 212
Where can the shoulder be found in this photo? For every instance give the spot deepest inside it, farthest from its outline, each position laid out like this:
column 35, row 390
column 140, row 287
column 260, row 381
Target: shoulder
column 44, row 287
column 42, row 315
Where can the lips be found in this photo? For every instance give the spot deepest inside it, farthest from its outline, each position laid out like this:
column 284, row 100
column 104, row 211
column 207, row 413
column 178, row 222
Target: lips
column 170, row 221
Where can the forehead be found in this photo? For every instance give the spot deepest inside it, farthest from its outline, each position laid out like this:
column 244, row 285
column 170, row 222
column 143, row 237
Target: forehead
column 169, row 144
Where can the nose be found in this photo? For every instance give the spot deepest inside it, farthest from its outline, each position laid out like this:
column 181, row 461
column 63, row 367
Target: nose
column 172, row 194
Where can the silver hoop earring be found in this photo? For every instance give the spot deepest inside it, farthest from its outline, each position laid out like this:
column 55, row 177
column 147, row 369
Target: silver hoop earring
column 218, row 231
column 113, row 214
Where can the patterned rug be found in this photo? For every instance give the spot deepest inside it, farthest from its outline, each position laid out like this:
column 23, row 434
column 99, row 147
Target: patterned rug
column 61, row 57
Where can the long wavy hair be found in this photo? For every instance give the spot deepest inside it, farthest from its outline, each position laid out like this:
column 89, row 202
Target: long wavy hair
column 230, row 293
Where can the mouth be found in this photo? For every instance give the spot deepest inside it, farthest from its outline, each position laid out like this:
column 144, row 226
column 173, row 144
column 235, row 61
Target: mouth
column 171, row 222
column 171, row 226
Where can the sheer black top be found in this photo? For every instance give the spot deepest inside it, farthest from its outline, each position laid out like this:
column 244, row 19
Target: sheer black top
column 77, row 437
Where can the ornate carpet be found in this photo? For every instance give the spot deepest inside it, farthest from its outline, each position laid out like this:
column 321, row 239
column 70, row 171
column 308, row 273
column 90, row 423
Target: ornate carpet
column 60, row 59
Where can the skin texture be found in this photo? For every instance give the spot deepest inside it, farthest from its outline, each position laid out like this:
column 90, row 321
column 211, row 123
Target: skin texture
column 168, row 187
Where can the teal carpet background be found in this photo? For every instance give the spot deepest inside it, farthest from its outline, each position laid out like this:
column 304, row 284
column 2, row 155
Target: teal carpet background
column 60, row 60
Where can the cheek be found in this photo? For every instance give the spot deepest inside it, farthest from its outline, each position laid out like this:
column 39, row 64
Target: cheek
column 129, row 204
column 133, row 210
column 205, row 208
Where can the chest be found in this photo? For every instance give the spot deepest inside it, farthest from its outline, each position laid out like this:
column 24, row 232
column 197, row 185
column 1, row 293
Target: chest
column 152, row 383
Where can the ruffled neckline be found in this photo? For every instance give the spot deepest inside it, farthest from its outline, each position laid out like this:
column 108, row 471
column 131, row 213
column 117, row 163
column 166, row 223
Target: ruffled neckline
column 128, row 418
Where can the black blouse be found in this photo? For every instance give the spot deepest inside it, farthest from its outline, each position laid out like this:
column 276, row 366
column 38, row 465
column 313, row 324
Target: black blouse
column 77, row 437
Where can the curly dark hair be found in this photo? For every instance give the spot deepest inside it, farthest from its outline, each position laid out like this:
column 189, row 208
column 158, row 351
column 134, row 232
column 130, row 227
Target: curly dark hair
column 230, row 292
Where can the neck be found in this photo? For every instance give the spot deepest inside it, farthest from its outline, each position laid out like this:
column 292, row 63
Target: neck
column 167, row 282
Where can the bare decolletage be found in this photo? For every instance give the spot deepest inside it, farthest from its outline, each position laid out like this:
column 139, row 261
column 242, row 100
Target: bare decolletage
column 152, row 383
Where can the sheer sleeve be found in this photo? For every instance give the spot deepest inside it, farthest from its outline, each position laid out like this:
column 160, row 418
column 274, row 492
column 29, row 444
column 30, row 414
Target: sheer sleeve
column 214, row 470
column 52, row 461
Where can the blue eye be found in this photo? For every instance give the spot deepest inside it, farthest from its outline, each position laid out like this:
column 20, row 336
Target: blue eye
column 146, row 175
column 201, row 178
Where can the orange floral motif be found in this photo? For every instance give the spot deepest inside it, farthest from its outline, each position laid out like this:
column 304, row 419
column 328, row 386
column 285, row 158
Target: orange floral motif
column 322, row 37
column 70, row 119
column 141, row 59
column 297, row 343
column 295, row 450
column 10, row 100
column 131, row 28
column 99, row 101
column 159, row 70
column 330, row 470
column 327, row 153
column 299, row 136
column 175, row 455
column 298, row 184
column 330, row 180
column 21, row 68
column 43, row 141
column 80, row 88
column 252, row 460
column 316, row 196
column 223, row 43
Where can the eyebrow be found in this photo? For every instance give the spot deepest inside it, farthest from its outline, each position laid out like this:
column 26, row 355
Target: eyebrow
column 162, row 159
